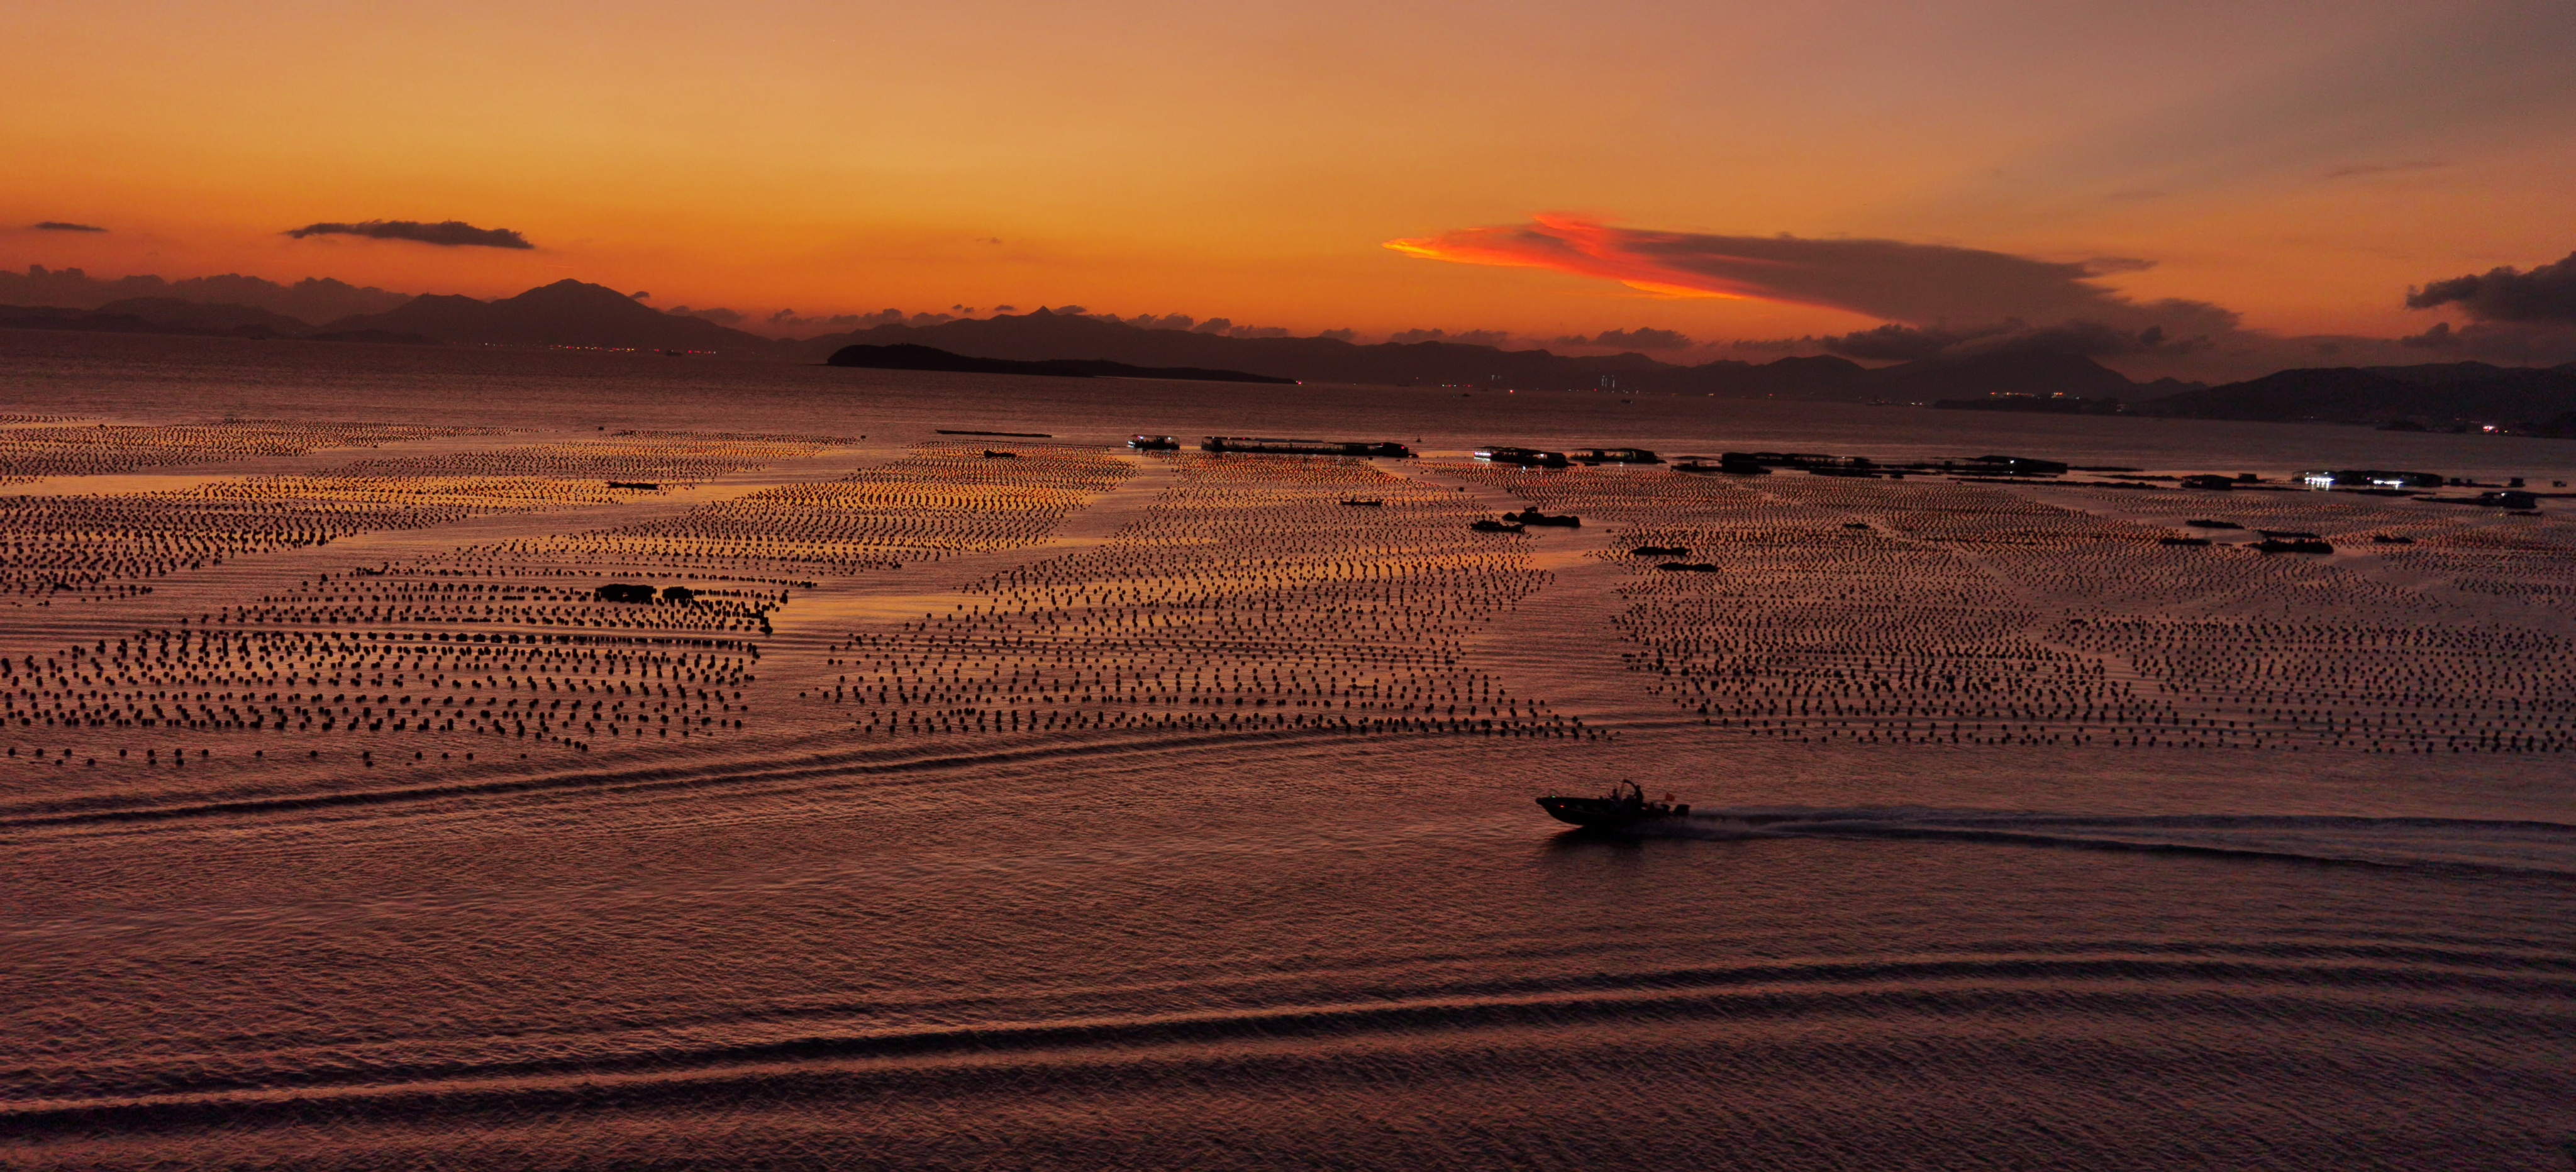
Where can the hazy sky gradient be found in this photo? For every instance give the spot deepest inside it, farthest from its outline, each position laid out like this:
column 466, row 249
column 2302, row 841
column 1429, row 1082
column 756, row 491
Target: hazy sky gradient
column 2298, row 163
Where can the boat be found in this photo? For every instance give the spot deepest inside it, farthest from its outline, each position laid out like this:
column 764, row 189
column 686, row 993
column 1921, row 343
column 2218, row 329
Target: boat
column 1490, row 525
column 1731, row 463
column 1534, row 517
column 1598, row 456
column 1155, row 443
column 1306, row 447
column 2293, row 545
column 1365, row 502
column 1524, row 457
column 1624, row 806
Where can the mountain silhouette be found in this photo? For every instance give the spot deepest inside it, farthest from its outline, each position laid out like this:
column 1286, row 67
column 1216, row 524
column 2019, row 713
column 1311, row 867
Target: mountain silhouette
column 2454, row 393
column 312, row 299
column 244, row 320
column 2040, row 373
column 577, row 313
column 1044, row 336
column 566, row 313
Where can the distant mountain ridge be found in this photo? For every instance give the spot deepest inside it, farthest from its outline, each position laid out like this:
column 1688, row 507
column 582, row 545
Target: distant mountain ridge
column 314, row 299
column 576, row 313
column 2039, row 373
column 1043, row 335
column 2538, row 399
column 169, row 315
column 219, row 317
column 566, row 313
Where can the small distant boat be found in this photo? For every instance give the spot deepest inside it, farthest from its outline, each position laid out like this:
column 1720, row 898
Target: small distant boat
column 995, row 454
column 1369, row 502
column 1387, row 449
column 1490, row 525
column 1535, row 517
column 1615, row 455
column 1155, row 443
column 2293, row 545
column 1524, row 457
column 1623, row 807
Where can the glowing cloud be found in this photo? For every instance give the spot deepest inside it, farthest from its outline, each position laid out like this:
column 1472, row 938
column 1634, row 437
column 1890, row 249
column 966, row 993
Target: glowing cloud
column 1892, row 280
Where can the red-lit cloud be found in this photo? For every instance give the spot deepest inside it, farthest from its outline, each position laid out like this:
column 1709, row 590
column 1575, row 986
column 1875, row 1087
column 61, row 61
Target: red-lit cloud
column 1892, row 280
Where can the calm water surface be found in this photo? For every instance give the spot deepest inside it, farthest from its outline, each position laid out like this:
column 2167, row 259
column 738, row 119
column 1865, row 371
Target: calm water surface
column 1185, row 951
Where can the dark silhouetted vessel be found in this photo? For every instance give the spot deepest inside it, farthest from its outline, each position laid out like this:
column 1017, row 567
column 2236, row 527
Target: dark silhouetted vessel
column 1624, row 806
column 1615, row 456
column 1524, row 457
column 2293, row 545
column 1306, row 447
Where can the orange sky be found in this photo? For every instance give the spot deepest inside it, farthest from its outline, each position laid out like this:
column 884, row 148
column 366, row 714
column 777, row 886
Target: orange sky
column 2299, row 163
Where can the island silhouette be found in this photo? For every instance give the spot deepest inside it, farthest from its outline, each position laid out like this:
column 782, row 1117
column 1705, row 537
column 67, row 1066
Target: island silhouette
column 907, row 356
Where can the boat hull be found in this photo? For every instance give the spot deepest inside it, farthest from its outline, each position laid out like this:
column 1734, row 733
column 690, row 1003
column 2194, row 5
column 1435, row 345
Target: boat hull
column 1605, row 814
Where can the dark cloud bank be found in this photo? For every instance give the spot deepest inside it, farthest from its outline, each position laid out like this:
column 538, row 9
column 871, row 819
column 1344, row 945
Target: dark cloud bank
column 2546, row 293
column 445, row 233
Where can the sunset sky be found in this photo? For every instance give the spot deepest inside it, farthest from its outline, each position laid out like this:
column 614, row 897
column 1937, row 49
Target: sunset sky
column 2298, row 164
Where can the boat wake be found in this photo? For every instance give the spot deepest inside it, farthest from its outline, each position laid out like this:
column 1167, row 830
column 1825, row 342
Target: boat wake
column 2531, row 848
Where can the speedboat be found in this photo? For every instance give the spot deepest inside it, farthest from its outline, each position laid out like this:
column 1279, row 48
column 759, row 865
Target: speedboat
column 1623, row 807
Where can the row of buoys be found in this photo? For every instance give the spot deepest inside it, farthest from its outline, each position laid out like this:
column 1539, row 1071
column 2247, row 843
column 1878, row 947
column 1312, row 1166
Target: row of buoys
column 936, row 501
column 1245, row 597
column 418, row 650
column 105, row 543
column 111, row 448
column 1956, row 612
column 628, row 457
